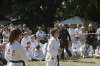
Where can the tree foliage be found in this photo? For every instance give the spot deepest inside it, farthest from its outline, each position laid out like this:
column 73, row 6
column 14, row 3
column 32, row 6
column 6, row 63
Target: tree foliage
column 48, row 11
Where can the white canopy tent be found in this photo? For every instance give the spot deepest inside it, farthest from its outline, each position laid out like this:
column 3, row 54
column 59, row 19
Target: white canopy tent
column 73, row 20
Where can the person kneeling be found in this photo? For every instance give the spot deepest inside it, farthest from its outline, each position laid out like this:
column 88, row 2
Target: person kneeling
column 97, row 52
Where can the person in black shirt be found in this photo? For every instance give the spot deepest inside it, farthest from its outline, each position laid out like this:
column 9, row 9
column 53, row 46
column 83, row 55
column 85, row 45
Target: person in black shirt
column 91, row 37
column 64, row 40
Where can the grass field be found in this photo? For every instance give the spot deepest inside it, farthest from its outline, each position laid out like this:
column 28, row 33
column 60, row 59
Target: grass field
column 79, row 62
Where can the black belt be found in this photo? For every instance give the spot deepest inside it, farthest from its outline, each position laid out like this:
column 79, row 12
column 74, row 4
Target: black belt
column 19, row 61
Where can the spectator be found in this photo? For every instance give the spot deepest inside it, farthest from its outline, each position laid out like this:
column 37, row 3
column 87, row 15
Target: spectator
column 76, row 47
column 97, row 52
column 98, row 35
column 40, row 34
column 87, row 50
column 65, row 40
column 38, row 54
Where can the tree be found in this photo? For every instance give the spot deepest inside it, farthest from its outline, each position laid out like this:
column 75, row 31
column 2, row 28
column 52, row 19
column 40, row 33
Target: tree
column 88, row 9
column 48, row 11
column 38, row 11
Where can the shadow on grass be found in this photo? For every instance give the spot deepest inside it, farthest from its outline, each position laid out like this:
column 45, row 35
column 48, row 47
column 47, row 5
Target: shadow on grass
column 80, row 61
column 90, row 62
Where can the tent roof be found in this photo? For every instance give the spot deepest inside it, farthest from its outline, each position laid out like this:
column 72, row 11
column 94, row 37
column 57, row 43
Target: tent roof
column 73, row 20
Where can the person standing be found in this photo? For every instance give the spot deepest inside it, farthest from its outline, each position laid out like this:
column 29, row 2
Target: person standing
column 15, row 54
column 65, row 40
column 53, row 48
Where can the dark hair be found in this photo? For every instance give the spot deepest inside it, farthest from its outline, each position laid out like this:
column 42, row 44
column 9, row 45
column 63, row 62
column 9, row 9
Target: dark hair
column 53, row 30
column 14, row 34
column 38, row 47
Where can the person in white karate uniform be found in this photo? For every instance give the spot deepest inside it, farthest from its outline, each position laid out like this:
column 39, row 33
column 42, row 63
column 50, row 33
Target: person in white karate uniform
column 86, row 50
column 53, row 48
column 40, row 34
column 5, row 35
column 82, row 34
column 15, row 54
column 26, row 43
column 76, row 47
column 38, row 53
column 26, row 39
column 71, row 31
column 97, row 52
column 77, row 30
column 34, row 44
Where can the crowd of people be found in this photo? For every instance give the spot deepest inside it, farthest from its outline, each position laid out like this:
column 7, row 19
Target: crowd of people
column 74, row 41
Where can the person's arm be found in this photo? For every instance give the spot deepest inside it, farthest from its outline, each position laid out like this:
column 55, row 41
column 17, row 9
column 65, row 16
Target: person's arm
column 6, row 57
column 68, row 35
column 6, row 53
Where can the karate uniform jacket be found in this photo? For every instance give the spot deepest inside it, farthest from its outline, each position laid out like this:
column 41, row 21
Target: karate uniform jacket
column 15, row 52
column 52, row 49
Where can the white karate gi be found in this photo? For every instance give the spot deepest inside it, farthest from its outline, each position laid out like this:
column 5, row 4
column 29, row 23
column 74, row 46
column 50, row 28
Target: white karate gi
column 76, row 48
column 44, row 49
column 29, row 53
column 15, row 52
column 77, row 32
column 82, row 36
column 40, row 35
column 38, row 54
column 97, row 53
column 25, row 40
column 5, row 36
column 87, row 52
column 72, row 34
column 52, row 52
column 33, row 46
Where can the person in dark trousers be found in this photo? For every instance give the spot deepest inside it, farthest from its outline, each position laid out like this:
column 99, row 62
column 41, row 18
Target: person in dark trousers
column 2, row 62
column 64, row 40
column 91, row 37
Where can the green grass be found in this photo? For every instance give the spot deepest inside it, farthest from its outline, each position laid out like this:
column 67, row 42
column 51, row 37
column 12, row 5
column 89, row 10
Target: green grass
column 80, row 62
